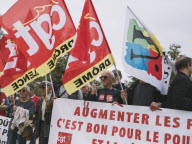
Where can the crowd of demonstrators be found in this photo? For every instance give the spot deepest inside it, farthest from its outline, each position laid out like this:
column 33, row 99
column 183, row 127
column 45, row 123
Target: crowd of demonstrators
column 139, row 93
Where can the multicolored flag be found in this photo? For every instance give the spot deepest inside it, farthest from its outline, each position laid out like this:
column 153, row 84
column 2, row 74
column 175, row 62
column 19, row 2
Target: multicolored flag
column 42, row 29
column 90, row 55
column 142, row 54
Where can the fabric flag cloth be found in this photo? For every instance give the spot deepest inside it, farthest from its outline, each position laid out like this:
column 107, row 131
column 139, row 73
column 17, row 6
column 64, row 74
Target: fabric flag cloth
column 5, row 51
column 90, row 55
column 42, row 29
column 142, row 54
column 16, row 67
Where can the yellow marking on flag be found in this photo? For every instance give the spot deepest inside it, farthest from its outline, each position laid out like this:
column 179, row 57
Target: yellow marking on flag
column 87, row 17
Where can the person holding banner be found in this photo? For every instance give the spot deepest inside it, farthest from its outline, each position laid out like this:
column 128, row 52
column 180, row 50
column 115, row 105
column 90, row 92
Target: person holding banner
column 43, row 112
column 144, row 94
column 107, row 93
column 180, row 90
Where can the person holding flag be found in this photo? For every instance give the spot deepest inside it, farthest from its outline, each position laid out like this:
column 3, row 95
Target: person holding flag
column 108, row 94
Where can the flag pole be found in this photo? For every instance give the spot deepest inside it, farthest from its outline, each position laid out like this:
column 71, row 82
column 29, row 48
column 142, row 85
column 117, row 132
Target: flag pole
column 46, row 85
column 52, row 85
column 118, row 77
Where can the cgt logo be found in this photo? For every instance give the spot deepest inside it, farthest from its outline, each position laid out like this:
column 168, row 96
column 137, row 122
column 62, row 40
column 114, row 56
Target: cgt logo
column 64, row 138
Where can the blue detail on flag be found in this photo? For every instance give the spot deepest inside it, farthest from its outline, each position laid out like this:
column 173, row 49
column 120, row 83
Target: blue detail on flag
column 137, row 49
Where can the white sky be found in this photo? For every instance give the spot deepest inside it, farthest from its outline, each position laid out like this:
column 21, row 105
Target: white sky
column 169, row 20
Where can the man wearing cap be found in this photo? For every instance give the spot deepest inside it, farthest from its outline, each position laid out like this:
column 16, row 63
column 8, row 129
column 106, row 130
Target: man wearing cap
column 43, row 112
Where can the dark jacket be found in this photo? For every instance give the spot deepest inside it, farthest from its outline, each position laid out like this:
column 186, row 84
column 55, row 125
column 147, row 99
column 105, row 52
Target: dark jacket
column 38, row 116
column 143, row 94
column 107, row 95
column 180, row 93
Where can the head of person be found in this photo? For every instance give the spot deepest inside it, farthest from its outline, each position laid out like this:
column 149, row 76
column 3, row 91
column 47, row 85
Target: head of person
column 11, row 98
column 107, row 79
column 24, row 92
column 32, row 90
column 184, row 64
column 86, row 89
column 43, row 87
column 116, row 73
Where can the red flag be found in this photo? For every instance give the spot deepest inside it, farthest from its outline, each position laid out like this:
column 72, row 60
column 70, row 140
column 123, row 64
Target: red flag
column 17, row 71
column 42, row 29
column 5, row 49
column 91, row 54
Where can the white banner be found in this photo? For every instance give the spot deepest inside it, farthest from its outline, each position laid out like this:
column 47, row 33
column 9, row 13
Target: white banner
column 103, row 123
column 4, row 123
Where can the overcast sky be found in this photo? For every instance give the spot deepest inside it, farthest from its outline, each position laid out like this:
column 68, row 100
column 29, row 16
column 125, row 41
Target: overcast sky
column 169, row 20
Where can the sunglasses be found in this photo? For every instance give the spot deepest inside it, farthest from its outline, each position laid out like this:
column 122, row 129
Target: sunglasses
column 22, row 91
column 103, row 77
column 42, row 87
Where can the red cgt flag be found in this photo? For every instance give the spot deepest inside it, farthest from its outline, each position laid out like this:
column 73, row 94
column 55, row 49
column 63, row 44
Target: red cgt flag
column 5, row 49
column 17, row 71
column 90, row 55
column 42, row 29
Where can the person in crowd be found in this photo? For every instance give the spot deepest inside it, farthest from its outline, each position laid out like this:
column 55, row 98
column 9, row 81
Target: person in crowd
column 22, row 111
column 4, row 104
column 144, row 94
column 43, row 112
column 117, row 84
column 62, row 93
column 32, row 95
column 180, row 90
column 107, row 94
column 86, row 91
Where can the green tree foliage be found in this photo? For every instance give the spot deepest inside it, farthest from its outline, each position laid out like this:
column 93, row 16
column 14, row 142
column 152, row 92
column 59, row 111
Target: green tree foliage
column 174, row 51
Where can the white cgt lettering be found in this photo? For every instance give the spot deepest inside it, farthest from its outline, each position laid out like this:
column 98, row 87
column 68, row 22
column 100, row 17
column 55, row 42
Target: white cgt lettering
column 95, row 25
column 94, row 42
column 46, row 37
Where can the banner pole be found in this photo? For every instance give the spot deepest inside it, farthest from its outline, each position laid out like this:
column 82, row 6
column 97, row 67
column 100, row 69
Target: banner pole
column 120, row 82
column 52, row 84
column 46, row 85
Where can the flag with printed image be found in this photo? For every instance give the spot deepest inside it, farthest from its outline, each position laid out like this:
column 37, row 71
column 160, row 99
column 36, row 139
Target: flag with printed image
column 142, row 54
column 90, row 55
